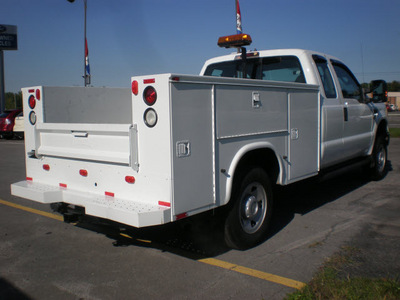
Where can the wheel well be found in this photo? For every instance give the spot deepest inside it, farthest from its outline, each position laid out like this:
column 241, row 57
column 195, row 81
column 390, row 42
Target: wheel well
column 264, row 158
column 382, row 131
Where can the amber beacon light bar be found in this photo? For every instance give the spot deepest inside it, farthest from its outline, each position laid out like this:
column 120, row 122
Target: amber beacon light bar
column 235, row 41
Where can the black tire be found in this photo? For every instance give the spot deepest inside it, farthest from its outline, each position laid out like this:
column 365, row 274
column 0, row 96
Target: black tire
column 379, row 159
column 250, row 210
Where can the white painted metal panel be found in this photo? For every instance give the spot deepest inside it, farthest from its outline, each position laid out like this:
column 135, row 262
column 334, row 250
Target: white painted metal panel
column 239, row 115
column 95, row 105
column 134, row 213
column 97, row 142
column 193, row 146
column 303, row 139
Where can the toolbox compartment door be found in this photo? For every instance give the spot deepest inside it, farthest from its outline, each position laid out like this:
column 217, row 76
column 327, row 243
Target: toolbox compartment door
column 193, row 143
column 111, row 143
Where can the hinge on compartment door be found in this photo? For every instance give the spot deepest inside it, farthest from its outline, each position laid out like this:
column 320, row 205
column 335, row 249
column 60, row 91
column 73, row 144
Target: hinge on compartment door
column 134, row 148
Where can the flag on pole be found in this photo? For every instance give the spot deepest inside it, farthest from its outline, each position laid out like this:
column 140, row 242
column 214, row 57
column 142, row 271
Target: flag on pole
column 87, row 58
column 238, row 19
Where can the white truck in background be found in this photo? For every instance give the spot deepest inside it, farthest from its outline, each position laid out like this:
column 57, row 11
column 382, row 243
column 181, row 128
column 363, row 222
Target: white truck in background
column 175, row 145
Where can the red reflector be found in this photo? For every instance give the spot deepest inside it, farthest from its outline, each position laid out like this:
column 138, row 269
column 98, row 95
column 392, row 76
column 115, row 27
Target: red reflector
column 83, row 172
column 181, row 216
column 32, row 102
column 63, row 185
column 38, row 94
column 175, row 78
column 147, row 81
column 130, row 179
column 46, row 167
column 31, row 91
column 109, row 194
column 135, row 87
column 29, row 179
column 162, row 203
column 150, row 95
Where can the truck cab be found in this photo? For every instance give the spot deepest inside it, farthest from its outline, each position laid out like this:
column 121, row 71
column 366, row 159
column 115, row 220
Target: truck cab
column 349, row 119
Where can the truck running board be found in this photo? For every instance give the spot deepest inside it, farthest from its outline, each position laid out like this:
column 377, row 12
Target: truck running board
column 128, row 212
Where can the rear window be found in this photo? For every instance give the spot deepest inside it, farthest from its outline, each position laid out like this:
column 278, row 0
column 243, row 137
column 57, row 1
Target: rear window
column 277, row 68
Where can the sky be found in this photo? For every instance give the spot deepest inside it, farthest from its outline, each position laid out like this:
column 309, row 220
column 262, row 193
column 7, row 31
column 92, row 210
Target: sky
column 142, row 37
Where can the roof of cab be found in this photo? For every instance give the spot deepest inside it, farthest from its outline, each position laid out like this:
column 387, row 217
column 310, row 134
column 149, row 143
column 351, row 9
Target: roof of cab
column 265, row 53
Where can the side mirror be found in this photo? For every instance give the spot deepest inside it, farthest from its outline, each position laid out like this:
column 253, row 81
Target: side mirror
column 379, row 91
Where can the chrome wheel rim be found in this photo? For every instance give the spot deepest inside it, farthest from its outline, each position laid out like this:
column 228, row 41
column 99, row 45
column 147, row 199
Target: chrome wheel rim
column 253, row 207
column 381, row 159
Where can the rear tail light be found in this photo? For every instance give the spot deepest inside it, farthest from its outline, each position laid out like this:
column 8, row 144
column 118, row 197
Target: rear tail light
column 46, row 167
column 32, row 102
column 135, row 87
column 37, row 94
column 150, row 95
column 150, row 117
column 83, row 173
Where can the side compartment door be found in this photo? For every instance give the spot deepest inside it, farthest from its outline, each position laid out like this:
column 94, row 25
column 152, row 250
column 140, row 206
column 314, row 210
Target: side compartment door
column 357, row 115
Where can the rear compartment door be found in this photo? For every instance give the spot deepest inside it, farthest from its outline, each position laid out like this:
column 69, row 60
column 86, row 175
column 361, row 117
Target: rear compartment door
column 110, row 143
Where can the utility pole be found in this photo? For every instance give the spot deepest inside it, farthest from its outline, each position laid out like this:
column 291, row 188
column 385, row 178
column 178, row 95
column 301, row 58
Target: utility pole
column 86, row 69
column 2, row 89
column 8, row 41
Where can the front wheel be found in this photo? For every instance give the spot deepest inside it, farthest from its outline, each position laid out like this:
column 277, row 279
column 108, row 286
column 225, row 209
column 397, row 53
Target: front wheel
column 379, row 159
column 250, row 211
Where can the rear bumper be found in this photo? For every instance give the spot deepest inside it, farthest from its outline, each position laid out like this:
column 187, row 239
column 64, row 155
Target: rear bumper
column 128, row 212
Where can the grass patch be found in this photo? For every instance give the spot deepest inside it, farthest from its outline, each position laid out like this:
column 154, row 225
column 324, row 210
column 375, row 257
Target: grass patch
column 394, row 132
column 327, row 284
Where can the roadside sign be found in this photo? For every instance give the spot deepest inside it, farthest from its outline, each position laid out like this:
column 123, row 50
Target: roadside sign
column 8, row 37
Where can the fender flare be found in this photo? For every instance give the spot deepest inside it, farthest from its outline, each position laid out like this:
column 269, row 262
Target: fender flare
column 238, row 157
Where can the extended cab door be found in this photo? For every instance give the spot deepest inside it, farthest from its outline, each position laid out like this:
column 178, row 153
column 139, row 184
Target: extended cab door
column 331, row 114
column 357, row 115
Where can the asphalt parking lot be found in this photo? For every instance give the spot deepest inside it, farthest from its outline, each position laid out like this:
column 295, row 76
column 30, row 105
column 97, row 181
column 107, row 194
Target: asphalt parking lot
column 42, row 257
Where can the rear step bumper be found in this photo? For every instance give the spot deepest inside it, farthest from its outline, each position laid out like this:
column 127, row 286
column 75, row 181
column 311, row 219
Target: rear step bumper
column 123, row 211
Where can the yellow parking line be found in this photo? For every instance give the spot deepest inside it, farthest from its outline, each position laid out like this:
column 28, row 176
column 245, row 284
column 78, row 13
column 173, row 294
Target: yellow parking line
column 254, row 273
column 209, row 261
column 32, row 210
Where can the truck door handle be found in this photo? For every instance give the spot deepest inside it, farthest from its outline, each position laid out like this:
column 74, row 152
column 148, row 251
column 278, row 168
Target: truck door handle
column 345, row 114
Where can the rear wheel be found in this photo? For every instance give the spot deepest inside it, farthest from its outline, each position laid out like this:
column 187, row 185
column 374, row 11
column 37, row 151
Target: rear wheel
column 250, row 211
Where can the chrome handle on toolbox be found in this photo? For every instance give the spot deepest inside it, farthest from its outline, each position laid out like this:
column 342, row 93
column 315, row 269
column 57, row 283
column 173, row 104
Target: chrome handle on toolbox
column 79, row 133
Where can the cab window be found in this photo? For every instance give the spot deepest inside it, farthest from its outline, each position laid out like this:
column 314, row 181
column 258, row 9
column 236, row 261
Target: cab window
column 233, row 69
column 282, row 68
column 348, row 83
column 325, row 75
column 279, row 68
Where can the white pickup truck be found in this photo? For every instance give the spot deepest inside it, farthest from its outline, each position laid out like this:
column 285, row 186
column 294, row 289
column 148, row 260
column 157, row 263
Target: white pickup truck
column 172, row 145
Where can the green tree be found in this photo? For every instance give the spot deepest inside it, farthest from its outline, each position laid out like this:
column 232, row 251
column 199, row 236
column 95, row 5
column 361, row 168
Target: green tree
column 13, row 100
column 394, row 86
